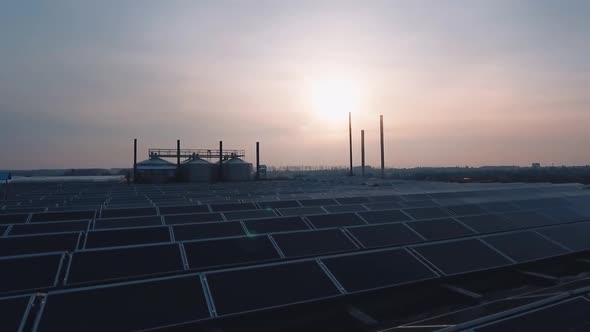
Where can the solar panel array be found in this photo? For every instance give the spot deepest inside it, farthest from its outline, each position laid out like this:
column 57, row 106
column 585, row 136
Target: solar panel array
column 95, row 257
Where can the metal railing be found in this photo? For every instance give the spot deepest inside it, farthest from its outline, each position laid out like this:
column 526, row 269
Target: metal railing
column 203, row 153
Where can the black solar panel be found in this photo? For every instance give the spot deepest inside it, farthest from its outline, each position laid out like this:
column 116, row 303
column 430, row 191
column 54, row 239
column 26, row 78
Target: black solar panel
column 301, row 211
column 575, row 236
column 384, row 206
column 50, row 227
column 427, row 213
column 415, row 197
column 207, row 230
column 269, row 286
column 384, row 235
column 183, row 209
column 309, row 243
column 62, row 216
column 317, row 202
column 252, row 214
column 33, row 244
column 100, row 265
column 335, row 220
column 353, row 200
column 364, row 271
column 125, row 307
column 232, row 207
column 128, row 212
column 19, row 218
column 129, row 236
column 524, row 246
column 439, row 229
column 192, row 218
column 528, row 219
column 418, row 204
column 345, row 208
column 270, row 225
column 29, row 272
column 278, row 204
column 128, row 222
column 376, row 217
column 487, row 223
column 3, row 229
column 499, row 206
column 203, row 254
column 563, row 214
column 464, row 210
column 570, row 315
column 386, row 198
column 461, row 256
column 14, row 311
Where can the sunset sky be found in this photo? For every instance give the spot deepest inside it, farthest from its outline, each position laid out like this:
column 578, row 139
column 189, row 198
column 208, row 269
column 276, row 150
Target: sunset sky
column 458, row 82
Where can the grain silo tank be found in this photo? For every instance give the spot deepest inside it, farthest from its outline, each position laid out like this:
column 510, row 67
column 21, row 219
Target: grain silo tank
column 235, row 169
column 155, row 170
column 197, row 169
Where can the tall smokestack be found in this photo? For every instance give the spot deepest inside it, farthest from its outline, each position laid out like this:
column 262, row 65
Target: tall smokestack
column 363, row 152
column 134, row 158
column 350, row 139
column 257, row 160
column 382, row 150
column 177, row 153
column 220, row 160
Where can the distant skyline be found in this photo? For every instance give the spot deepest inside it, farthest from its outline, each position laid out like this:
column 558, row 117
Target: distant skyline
column 497, row 82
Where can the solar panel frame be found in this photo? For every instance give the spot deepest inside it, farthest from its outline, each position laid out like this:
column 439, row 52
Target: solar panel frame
column 248, row 214
column 335, row 220
column 191, row 218
column 440, row 229
column 73, row 239
column 128, row 222
column 384, row 216
column 13, row 218
column 105, row 237
column 18, row 317
column 274, row 225
column 381, row 235
column 210, row 230
column 317, row 202
column 183, row 209
column 42, row 272
column 487, row 223
column 302, row 211
column 127, row 212
column 46, row 227
column 232, row 207
column 524, row 246
column 313, row 242
column 426, row 213
column 62, row 216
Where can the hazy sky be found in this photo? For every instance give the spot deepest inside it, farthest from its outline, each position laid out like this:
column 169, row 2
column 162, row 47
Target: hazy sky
column 458, row 82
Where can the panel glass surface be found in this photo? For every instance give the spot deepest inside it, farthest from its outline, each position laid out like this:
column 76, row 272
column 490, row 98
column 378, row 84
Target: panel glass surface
column 335, row 220
column 309, row 243
column 207, row 230
column 129, row 236
column 384, row 235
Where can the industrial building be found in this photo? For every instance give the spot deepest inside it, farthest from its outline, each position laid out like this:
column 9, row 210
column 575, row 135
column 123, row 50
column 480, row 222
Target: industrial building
column 192, row 165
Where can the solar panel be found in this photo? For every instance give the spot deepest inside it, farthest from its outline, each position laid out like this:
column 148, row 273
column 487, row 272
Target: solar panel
column 256, row 288
column 524, row 246
column 370, row 270
column 427, row 213
column 335, row 220
column 101, row 265
column 461, row 256
column 252, row 214
column 29, row 272
column 164, row 210
column 384, row 216
column 418, row 204
column 384, row 206
column 386, row 198
column 128, row 212
column 465, row 210
column 345, row 208
column 439, row 229
column 353, row 200
column 528, row 219
column 62, row 216
column 541, row 203
column 278, row 204
column 371, row 236
column 232, row 207
column 309, row 243
column 33, row 244
column 573, row 236
column 207, row 230
column 211, row 253
column 126, row 306
column 569, row 315
column 192, row 218
column 487, row 223
column 317, row 202
column 271, row 225
column 14, row 312
column 3, row 229
column 415, row 197
column 499, row 206
column 129, row 236
column 301, row 211
column 127, row 222
column 50, row 227
column 563, row 214
column 19, row 218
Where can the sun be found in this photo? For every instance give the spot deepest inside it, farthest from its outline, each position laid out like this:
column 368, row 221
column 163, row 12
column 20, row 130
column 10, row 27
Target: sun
column 332, row 99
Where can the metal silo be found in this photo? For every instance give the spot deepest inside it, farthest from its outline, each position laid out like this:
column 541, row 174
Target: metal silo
column 197, row 169
column 235, row 169
column 155, row 170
